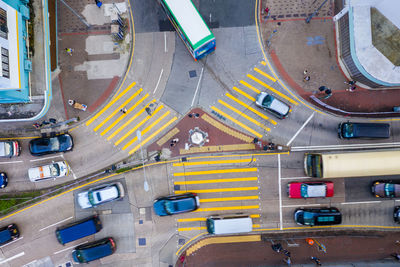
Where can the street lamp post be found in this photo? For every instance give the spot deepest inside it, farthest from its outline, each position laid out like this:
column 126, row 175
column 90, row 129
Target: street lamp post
column 139, row 137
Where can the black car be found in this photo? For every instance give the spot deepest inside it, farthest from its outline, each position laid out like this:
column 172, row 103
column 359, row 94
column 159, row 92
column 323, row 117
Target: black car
column 94, row 250
column 384, row 189
column 3, row 180
column 396, row 214
column 349, row 130
column 318, row 216
column 8, row 233
column 49, row 145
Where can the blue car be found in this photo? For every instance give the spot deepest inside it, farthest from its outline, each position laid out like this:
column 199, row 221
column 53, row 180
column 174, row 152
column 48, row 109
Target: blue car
column 170, row 205
column 49, row 145
column 3, row 180
column 8, row 233
column 94, row 250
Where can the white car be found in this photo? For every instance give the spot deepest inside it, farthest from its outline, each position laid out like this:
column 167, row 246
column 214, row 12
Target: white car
column 54, row 170
column 99, row 195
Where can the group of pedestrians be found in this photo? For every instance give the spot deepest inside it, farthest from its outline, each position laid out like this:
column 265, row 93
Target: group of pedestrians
column 288, row 260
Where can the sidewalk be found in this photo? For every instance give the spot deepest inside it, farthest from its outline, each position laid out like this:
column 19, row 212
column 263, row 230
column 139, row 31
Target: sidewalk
column 296, row 46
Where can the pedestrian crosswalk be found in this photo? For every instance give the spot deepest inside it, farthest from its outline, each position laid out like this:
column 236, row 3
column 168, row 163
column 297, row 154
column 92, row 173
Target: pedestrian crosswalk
column 238, row 108
column 224, row 186
column 131, row 119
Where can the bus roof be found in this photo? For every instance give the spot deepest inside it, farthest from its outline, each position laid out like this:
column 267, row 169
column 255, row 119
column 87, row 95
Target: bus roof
column 361, row 164
column 189, row 19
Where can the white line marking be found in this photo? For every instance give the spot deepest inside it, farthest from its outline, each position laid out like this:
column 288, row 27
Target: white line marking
column 30, row 262
column 301, row 128
column 13, row 257
column 56, row 223
column 165, row 42
column 8, row 162
column 159, row 79
column 19, row 238
column 295, row 178
column 349, row 146
column 280, row 193
column 301, row 205
column 52, row 157
column 365, row 202
column 68, row 248
column 198, row 86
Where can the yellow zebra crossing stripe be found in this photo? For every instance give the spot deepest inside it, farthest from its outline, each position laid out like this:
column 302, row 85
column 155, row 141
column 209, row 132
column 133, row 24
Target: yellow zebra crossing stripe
column 237, row 122
column 183, row 229
column 262, row 115
column 216, row 171
column 213, row 181
column 272, row 89
column 221, row 199
column 90, row 121
column 250, row 86
column 153, row 135
column 244, row 94
column 228, row 161
column 244, row 115
column 265, row 74
column 216, row 190
column 203, row 219
column 228, row 208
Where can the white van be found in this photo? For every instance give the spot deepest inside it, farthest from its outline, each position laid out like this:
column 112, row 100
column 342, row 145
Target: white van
column 229, row 224
column 54, row 170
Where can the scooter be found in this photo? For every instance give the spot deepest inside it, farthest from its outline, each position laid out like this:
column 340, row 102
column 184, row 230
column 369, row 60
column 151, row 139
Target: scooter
column 77, row 105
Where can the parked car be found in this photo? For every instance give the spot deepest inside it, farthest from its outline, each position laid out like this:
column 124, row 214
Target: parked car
column 175, row 204
column 385, row 189
column 349, row 130
column 100, row 195
column 48, row 145
column 3, row 180
column 79, row 229
column 94, row 250
column 318, row 216
column 8, row 233
column 273, row 105
column 54, row 170
column 9, row 149
column 396, row 214
column 310, row 189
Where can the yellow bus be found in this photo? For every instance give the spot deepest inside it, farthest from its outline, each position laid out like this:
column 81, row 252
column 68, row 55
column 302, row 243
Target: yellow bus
column 352, row 164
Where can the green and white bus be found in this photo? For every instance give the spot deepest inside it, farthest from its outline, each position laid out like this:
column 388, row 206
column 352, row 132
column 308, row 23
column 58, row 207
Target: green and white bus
column 190, row 26
column 353, row 164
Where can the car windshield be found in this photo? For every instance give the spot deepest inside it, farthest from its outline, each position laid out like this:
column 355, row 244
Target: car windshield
column 389, row 190
column 91, row 198
column 267, row 100
column 169, row 206
column 348, row 130
column 54, row 144
column 98, row 196
column 55, row 170
column 308, row 217
column 304, row 190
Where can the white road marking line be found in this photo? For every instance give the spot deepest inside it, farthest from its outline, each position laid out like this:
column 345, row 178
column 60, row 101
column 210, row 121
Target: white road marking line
column 19, row 238
column 44, row 228
column 52, row 157
column 361, row 202
column 301, row 128
column 13, row 257
column 349, row 146
column 68, row 248
column 198, row 86
column 165, row 42
column 280, row 193
column 8, row 162
column 301, row 205
column 159, row 79
column 295, row 178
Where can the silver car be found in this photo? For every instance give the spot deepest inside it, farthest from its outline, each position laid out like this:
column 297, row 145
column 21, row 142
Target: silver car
column 276, row 107
column 101, row 194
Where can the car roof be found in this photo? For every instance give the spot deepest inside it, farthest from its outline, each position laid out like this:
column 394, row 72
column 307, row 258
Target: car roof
column 279, row 106
column 108, row 192
column 316, row 190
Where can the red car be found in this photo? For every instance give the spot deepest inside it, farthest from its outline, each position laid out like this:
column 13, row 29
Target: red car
column 310, row 189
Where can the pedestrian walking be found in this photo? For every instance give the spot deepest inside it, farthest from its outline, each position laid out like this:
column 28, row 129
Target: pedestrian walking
column 287, row 253
column 123, row 110
column 322, row 88
column 288, row 261
column 351, row 88
column 316, row 260
column 69, row 51
column 305, row 72
column 352, row 82
column 266, row 10
column 277, row 247
column 306, row 78
column 396, row 256
column 328, row 91
column 98, row 3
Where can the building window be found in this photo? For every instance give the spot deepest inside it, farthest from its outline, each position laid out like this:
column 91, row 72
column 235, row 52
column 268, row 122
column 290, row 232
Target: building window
column 3, row 24
column 5, row 62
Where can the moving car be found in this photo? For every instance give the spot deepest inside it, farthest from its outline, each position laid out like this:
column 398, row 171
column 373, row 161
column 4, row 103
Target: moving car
column 78, row 229
column 349, row 130
column 396, row 214
column 310, row 189
column 8, row 233
column 385, row 189
column 54, row 170
column 48, row 145
column 318, row 216
column 175, row 204
column 228, row 224
column 100, row 195
column 94, row 250
column 3, row 180
column 276, row 107
column 9, row 149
